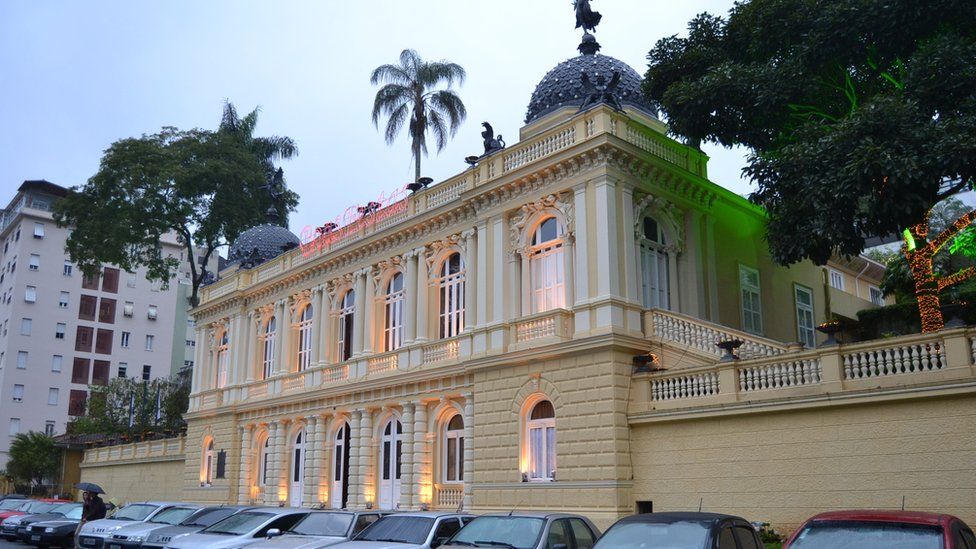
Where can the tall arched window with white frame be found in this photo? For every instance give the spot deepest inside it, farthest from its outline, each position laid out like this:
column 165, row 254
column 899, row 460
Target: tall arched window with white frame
column 655, row 279
column 223, row 363
column 268, row 345
column 305, row 339
column 346, row 322
column 540, row 429
column 454, row 450
column 264, row 454
column 450, row 283
column 207, row 464
column 547, row 266
column 393, row 313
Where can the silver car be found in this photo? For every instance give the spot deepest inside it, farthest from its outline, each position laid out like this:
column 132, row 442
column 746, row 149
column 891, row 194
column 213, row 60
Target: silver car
column 241, row 529
column 208, row 516
column 417, row 530
column 321, row 529
column 131, row 536
column 93, row 534
column 527, row 530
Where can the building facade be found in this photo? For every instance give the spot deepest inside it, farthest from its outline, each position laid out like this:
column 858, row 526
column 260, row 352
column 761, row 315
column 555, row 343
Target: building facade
column 61, row 332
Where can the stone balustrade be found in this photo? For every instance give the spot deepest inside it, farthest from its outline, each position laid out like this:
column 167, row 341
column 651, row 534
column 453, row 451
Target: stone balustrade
column 167, row 448
column 703, row 336
column 449, row 496
column 382, row 363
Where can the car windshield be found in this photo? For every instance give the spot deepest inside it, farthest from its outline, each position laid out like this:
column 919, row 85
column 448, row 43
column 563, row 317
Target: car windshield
column 175, row 515
column 35, row 507
column 398, row 529
column 74, row 514
column 655, row 535
column 236, row 525
column 9, row 504
column 323, row 524
column 64, row 508
column 867, row 535
column 207, row 517
column 137, row 511
column 515, row 531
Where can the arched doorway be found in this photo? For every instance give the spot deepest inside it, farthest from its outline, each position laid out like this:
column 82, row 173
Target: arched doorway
column 298, row 470
column 390, row 454
column 340, row 468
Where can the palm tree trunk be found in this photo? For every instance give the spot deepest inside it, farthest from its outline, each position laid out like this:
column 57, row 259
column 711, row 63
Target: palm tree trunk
column 416, row 157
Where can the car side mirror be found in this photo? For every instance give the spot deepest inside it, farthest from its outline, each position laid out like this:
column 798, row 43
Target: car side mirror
column 438, row 542
column 273, row 533
column 560, row 546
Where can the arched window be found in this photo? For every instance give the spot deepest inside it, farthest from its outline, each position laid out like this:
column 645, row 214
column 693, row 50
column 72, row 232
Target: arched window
column 298, row 470
column 263, row 456
column 655, row 281
column 541, row 438
column 393, row 303
column 207, row 463
column 546, row 265
column 346, row 314
column 454, row 450
column 305, row 339
column 268, row 342
column 340, row 468
column 222, row 361
column 391, row 453
column 451, row 284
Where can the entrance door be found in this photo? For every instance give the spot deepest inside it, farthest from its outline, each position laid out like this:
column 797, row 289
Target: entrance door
column 390, row 454
column 298, row 470
column 340, row 468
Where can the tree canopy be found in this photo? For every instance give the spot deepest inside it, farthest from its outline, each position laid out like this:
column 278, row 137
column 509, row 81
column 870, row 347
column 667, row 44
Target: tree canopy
column 32, row 458
column 201, row 187
column 128, row 406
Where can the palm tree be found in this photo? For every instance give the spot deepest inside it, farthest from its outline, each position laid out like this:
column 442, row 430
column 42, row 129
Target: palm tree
column 409, row 92
column 267, row 149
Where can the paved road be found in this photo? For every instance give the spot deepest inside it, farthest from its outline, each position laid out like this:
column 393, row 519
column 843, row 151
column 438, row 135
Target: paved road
column 4, row 544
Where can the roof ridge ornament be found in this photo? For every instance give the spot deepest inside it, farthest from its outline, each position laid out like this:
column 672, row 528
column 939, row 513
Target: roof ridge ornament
column 587, row 19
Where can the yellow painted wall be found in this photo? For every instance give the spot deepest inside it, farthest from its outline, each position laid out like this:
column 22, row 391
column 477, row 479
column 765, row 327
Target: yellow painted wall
column 138, row 480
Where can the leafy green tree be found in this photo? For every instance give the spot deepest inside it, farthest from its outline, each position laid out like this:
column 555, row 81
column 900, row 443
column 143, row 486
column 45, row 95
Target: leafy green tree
column 409, row 98
column 204, row 187
column 860, row 116
column 127, row 406
column 32, row 458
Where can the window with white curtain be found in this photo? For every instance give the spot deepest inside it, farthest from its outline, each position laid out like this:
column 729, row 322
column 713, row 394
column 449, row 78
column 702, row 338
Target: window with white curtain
column 803, row 298
column 223, row 356
column 451, row 284
column 393, row 313
column 305, row 339
column 546, row 266
column 208, row 458
column 18, row 393
column 655, row 279
column 268, row 345
column 751, row 300
column 346, row 320
column 541, row 434
column 263, row 457
column 454, row 450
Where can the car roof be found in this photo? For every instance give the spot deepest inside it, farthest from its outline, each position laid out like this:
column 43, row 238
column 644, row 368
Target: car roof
column 534, row 514
column 878, row 515
column 277, row 510
column 681, row 516
column 427, row 514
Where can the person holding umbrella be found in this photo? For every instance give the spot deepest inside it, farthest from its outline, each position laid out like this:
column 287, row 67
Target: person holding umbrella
column 94, row 507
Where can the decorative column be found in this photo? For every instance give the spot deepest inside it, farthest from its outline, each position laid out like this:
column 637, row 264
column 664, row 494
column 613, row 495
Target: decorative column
column 569, row 280
column 322, row 479
column 356, row 499
column 367, row 458
column 244, row 482
column 251, row 333
column 410, row 298
column 281, row 461
column 369, row 332
column 196, row 376
column 280, row 327
column 407, row 489
column 468, row 462
column 481, row 276
column 523, row 300
column 361, row 300
column 421, row 479
column 317, row 301
column 607, row 276
column 327, row 332
column 271, row 484
column 288, row 360
column 471, row 279
column 629, row 244
column 582, row 275
column 422, row 286
column 498, row 271
column 311, row 474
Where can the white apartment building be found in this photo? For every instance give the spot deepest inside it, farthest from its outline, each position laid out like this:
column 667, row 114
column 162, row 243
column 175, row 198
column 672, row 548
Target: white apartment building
column 61, row 332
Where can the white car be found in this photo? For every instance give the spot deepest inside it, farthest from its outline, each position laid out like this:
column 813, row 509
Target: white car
column 93, row 534
column 321, row 529
column 131, row 536
column 417, row 530
column 241, row 529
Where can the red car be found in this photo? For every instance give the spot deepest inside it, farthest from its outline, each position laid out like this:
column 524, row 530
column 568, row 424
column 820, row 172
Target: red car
column 882, row 530
column 10, row 507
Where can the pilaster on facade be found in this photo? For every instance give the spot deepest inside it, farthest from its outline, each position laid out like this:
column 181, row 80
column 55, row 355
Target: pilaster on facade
column 469, row 449
column 422, row 320
column 357, row 497
column 407, row 479
column 244, row 494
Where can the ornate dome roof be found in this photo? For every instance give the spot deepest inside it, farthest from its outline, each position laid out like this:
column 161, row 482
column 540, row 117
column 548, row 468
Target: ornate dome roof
column 563, row 86
column 261, row 243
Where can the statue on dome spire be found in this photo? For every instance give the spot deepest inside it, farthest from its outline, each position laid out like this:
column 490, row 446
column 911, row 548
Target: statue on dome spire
column 585, row 16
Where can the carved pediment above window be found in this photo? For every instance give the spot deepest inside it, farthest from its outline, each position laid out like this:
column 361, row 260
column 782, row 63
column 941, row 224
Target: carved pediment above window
column 335, row 285
column 383, row 269
column 665, row 213
column 217, row 327
column 298, row 302
column 265, row 312
column 436, row 248
column 560, row 203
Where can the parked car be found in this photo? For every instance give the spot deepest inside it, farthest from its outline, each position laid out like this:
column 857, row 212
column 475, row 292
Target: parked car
column 55, row 533
column 527, row 530
column 679, row 531
column 241, row 529
column 93, row 534
column 415, row 530
column 157, row 539
column 882, row 529
column 10, row 523
column 13, row 496
column 131, row 536
column 321, row 529
column 56, row 513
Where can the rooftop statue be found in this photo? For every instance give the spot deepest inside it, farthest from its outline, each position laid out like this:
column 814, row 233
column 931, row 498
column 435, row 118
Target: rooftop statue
column 585, row 16
column 491, row 142
column 600, row 91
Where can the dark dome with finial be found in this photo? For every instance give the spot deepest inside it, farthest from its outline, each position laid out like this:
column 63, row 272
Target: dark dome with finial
column 261, row 243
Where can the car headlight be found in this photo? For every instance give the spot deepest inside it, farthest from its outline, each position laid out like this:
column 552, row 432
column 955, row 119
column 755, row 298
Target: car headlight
column 136, row 539
column 49, row 530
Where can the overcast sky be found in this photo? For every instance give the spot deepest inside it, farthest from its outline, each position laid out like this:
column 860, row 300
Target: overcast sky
column 76, row 76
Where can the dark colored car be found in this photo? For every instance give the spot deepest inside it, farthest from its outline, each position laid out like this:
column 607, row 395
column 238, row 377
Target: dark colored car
column 882, row 529
column 55, row 533
column 680, row 531
column 58, row 512
column 527, row 530
column 10, row 525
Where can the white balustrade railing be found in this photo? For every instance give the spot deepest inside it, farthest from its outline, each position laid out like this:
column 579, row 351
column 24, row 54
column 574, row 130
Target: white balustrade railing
column 539, row 149
column 444, row 193
column 687, row 386
column 703, row 335
column 441, row 351
column 259, row 390
column 659, row 147
column 293, row 383
column 449, row 496
column 536, row 328
column 778, row 375
column 894, row 360
column 385, row 363
column 335, row 374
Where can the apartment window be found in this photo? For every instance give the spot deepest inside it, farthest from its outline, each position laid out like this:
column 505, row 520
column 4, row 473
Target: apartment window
column 90, row 282
column 123, row 367
column 76, row 402
column 13, row 264
column 751, row 302
column 67, row 269
column 151, row 314
column 100, row 372
column 38, row 230
column 191, row 343
column 52, row 396
column 63, row 300
column 87, row 306
column 106, row 311
column 155, row 285
column 17, row 234
column 187, row 363
column 14, row 426
column 541, row 441
column 18, row 393
column 130, row 280
column 49, row 428
column 59, row 330
column 803, row 298
column 124, row 340
column 34, row 263
column 110, row 280
column 149, row 342
column 21, row 360
column 546, row 266
column 451, row 286
column 83, row 339
column 30, row 295
column 836, row 279
column 25, row 326
column 127, row 308
column 103, row 341
column 268, row 345
column 877, row 296
column 146, row 372
column 79, row 371
column 56, row 362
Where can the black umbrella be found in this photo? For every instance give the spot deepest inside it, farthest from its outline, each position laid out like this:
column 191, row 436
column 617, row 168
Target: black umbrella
column 89, row 487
